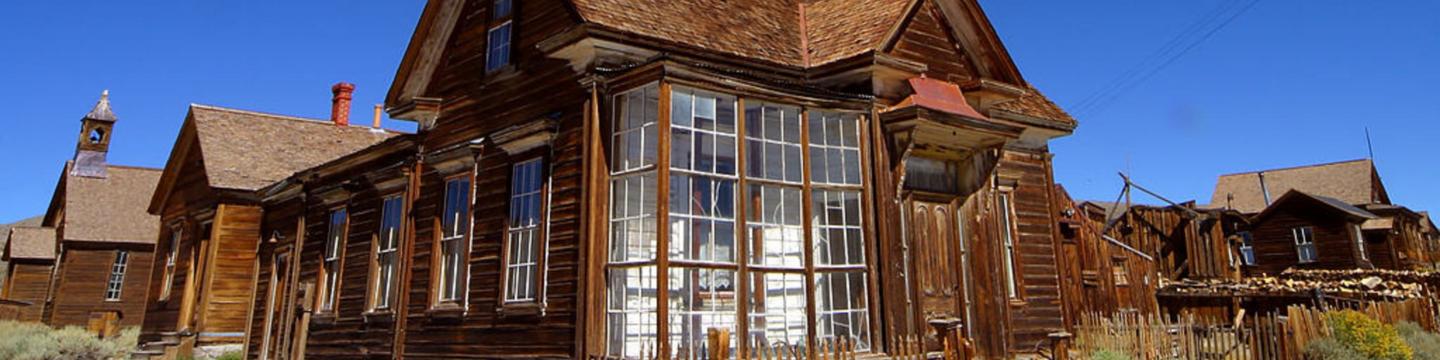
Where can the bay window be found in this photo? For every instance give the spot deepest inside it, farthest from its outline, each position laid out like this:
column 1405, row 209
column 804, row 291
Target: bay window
column 739, row 253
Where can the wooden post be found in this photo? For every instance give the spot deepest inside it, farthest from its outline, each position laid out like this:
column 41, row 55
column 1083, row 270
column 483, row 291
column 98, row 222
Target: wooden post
column 1060, row 345
column 718, row 343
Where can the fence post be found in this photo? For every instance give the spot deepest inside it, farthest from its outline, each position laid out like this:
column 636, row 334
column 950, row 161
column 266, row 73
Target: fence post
column 1060, row 345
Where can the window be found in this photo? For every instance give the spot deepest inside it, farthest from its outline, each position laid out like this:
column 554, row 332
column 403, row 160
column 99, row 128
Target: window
column 169, row 277
column 840, row 279
column 117, row 275
column 1121, row 273
column 97, row 136
column 1007, row 238
column 715, row 257
column 498, row 47
column 1360, row 242
column 1305, row 244
column 334, row 249
column 632, row 310
column 387, row 247
column 1247, row 247
column 523, row 240
column 454, row 227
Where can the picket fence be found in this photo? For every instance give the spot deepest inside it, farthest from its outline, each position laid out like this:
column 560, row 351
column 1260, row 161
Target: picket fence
column 1280, row 335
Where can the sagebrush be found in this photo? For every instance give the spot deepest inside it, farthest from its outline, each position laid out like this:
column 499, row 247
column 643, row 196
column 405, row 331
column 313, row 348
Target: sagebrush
column 31, row 341
column 1369, row 337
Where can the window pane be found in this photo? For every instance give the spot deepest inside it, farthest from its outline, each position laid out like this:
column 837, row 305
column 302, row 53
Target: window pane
column 771, row 239
column 700, row 299
column 840, row 299
column 498, row 50
column 631, row 317
column 501, row 9
column 837, row 232
column 834, row 148
column 777, row 309
column 522, row 239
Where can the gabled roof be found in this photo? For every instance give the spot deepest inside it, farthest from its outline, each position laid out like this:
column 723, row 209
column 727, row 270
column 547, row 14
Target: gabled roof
column 30, row 242
column 1036, row 105
column 1353, row 182
column 108, row 209
column 794, row 34
column 247, row 150
column 1332, row 204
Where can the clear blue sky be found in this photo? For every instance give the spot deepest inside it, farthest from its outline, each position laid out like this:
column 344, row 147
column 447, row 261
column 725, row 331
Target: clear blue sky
column 1287, row 83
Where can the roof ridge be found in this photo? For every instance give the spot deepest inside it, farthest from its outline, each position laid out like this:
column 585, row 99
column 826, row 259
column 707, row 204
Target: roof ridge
column 134, row 167
column 294, row 118
column 1295, row 167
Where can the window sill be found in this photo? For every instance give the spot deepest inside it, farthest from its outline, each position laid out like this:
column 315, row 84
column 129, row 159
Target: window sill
column 503, row 73
column 521, row 309
column 379, row 316
column 324, row 318
column 1017, row 302
column 446, row 310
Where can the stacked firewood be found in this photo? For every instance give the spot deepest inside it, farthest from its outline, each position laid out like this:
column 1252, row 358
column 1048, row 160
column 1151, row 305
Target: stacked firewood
column 1388, row 284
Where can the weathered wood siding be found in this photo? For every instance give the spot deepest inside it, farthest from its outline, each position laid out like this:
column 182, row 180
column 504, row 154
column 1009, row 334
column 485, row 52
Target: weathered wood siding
column 83, row 274
column 29, row 281
column 1275, row 245
column 927, row 40
column 227, row 288
column 483, row 104
column 188, row 194
column 1039, row 312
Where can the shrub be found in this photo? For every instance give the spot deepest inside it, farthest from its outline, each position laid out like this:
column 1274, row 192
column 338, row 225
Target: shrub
column 30, row 341
column 233, row 355
column 1108, row 354
column 1367, row 336
column 1426, row 344
column 1329, row 349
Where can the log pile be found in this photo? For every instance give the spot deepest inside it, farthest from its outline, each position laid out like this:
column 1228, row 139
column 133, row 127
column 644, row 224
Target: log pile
column 1359, row 284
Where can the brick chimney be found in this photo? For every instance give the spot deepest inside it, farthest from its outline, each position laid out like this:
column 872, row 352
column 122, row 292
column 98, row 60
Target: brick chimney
column 340, row 103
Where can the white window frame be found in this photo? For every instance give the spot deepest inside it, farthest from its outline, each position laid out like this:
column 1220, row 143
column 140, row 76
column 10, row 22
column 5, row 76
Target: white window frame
column 333, row 264
column 1007, row 248
column 1360, row 242
column 115, row 286
column 168, row 278
column 382, row 289
column 516, row 243
column 1304, row 237
column 1247, row 248
column 493, row 48
column 451, row 288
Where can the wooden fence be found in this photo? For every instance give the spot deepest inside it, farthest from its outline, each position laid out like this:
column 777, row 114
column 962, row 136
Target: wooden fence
column 1280, row 335
column 718, row 346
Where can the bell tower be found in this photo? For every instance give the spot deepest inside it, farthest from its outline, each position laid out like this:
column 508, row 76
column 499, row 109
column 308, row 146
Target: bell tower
column 96, row 128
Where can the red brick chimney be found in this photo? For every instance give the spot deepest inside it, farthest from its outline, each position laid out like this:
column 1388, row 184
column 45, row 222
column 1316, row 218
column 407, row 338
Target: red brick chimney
column 340, row 103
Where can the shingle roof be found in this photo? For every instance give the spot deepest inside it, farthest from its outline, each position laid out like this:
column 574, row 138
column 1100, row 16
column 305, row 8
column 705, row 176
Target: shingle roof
column 112, row 208
column 1352, row 182
column 762, row 29
column 1332, row 203
column 837, row 29
column 30, row 242
column 1034, row 104
column 247, row 150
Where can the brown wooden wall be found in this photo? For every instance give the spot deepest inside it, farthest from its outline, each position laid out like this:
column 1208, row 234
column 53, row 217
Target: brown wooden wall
column 1105, row 277
column 1039, row 313
column 1275, row 245
column 226, row 290
column 189, row 195
column 82, row 276
column 29, row 281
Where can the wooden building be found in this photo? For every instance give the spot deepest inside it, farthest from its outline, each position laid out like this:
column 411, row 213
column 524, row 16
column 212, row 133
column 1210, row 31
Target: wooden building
column 1306, row 231
column 1102, row 274
column 30, row 259
column 104, row 238
column 599, row 178
column 202, row 284
column 1393, row 239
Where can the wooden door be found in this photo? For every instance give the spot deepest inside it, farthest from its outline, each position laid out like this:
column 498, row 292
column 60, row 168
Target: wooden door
column 278, row 292
column 938, row 269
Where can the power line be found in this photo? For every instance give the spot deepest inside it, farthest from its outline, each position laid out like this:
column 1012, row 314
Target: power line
column 1129, row 80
